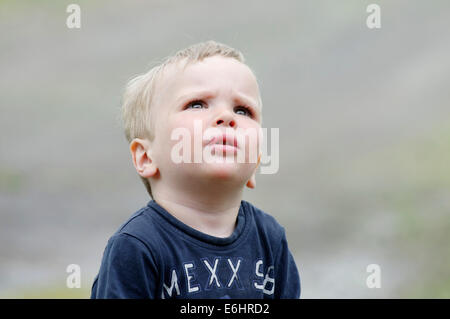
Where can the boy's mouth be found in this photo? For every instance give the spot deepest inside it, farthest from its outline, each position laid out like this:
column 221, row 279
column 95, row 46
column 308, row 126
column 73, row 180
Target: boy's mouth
column 224, row 139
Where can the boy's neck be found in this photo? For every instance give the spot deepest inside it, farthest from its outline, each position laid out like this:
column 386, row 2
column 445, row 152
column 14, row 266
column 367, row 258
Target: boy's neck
column 211, row 212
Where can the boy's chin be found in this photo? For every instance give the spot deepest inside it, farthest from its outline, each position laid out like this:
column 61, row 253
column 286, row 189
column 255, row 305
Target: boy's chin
column 226, row 171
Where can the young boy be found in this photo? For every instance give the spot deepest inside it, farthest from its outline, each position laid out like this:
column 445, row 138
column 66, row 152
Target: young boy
column 196, row 238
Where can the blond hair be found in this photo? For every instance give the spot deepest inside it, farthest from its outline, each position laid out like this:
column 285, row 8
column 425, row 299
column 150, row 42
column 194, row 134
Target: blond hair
column 139, row 92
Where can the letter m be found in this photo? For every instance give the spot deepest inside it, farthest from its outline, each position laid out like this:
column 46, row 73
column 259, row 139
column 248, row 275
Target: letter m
column 173, row 284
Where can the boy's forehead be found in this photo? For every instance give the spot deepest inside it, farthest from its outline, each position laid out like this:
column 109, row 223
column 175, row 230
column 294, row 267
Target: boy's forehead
column 212, row 74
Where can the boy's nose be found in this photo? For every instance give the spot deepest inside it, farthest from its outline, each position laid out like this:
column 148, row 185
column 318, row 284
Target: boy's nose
column 226, row 119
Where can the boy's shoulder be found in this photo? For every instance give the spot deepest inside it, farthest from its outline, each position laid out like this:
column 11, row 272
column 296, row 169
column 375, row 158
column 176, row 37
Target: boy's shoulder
column 140, row 226
column 264, row 222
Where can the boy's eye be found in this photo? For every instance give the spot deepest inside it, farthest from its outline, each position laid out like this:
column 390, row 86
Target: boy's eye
column 199, row 104
column 195, row 105
column 243, row 110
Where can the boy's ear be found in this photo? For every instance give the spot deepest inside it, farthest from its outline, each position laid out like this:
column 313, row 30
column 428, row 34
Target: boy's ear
column 251, row 183
column 144, row 164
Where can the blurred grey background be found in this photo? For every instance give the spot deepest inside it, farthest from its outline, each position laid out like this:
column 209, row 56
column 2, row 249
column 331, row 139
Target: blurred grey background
column 364, row 119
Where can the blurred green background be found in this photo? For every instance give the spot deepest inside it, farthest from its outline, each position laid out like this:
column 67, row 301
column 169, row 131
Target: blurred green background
column 364, row 119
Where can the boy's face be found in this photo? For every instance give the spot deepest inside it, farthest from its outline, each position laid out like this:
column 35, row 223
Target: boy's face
column 219, row 93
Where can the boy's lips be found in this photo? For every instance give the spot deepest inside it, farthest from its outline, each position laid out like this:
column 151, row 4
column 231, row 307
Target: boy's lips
column 224, row 140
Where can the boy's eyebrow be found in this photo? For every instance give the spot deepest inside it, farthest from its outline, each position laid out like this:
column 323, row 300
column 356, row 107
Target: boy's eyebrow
column 192, row 94
column 247, row 100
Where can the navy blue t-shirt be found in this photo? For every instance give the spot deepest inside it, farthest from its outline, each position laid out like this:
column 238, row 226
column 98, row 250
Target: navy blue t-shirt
column 154, row 255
